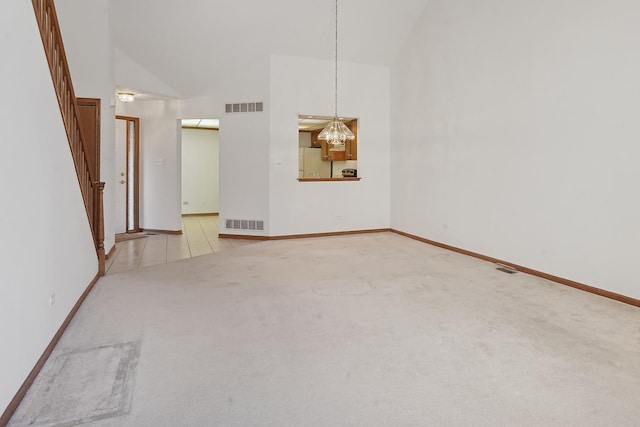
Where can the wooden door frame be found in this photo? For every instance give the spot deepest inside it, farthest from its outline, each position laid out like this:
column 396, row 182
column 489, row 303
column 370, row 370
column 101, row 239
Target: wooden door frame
column 135, row 227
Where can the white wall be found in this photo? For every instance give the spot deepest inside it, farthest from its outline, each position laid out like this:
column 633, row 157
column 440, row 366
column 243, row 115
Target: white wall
column 160, row 161
column 515, row 135
column 136, row 76
column 305, row 86
column 88, row 45
column 47, row 245
column 200, row 171
column 244, row 143
column 253, row 186
column 243, row 146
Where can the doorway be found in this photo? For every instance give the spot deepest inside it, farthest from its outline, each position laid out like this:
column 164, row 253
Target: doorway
column 127, row 165
column 200, row 167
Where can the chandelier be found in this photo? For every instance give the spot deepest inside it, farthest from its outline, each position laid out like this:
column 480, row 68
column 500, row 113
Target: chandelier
column 336, row 132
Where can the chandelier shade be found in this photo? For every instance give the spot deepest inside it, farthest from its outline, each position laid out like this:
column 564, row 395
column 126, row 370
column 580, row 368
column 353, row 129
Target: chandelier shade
column 336, row 133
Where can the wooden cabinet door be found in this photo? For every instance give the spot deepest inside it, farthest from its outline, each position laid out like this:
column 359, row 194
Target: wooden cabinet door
column 337, row 156
column 352, row 146
column 351, row 150
column 315, row 142
column 332, row 156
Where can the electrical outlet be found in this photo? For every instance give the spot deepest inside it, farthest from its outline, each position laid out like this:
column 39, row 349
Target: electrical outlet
column 52, row 300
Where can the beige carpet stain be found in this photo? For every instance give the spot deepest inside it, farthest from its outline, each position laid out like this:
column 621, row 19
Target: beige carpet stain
column 79, row 386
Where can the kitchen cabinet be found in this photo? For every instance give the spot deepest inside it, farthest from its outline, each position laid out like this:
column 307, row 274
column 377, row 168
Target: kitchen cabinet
column 315, row 142
column 350, row 152
column 351, row 149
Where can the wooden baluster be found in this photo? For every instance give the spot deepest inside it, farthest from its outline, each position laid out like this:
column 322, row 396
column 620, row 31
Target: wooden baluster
column 91, row 189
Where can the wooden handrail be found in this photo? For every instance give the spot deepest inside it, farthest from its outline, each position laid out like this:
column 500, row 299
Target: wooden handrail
column 90, row 185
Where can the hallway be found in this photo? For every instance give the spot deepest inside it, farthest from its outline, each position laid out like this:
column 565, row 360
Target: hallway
column 199, row 237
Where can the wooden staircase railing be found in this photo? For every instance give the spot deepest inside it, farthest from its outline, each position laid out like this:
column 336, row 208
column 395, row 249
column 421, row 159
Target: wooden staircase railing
column 90, row 185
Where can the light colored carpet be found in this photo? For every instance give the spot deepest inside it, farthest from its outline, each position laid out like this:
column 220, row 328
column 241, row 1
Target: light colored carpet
column 366, row 330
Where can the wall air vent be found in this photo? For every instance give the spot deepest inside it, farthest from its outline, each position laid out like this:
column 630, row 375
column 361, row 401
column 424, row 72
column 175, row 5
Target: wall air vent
column 506, row 269
column 244, row 107
column 244, row 224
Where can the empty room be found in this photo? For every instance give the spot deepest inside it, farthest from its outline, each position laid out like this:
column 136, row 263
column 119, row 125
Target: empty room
column 425, row 213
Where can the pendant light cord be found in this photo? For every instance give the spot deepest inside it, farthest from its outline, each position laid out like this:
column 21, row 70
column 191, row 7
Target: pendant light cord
column 336, row 82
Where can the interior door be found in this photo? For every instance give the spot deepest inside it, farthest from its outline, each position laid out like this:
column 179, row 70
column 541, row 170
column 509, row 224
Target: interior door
column 127, row 143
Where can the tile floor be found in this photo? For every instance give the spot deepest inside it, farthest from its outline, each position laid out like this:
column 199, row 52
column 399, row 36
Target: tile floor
column 199, row 237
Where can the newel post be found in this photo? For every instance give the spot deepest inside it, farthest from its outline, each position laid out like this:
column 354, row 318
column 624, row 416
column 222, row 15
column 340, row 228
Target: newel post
column 99, row 224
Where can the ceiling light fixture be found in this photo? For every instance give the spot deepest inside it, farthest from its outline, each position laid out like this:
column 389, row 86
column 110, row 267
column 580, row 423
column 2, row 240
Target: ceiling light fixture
column 336, row 132
column 125, row 97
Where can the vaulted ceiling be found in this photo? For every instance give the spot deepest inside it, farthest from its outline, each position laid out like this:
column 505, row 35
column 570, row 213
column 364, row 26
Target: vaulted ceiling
column 188, row 44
